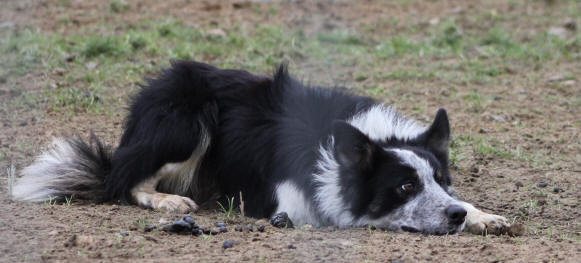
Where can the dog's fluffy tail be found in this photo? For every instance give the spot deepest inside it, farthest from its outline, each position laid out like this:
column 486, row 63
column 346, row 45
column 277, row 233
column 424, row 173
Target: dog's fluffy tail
column 72, row 167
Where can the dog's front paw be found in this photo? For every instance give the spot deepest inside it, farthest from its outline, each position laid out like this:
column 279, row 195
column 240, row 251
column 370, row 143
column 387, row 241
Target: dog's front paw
column 173, row 203
column 479, row 222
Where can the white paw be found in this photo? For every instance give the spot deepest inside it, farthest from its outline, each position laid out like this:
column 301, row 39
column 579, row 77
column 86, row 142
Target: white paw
column 173, row 203
column 479, row 222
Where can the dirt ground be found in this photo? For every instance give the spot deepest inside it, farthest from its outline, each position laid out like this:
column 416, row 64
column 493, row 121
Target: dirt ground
column 526, row 134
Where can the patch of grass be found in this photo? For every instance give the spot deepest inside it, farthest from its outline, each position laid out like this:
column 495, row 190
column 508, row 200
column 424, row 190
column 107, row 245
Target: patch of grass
column 535, row 159
column 412, row 74
column 499, row 38
column 449, row 36
column 207, row 237
column 229, row 209
column 103, row 46
column 482, row 146
column 68, row 201
column 118, row 6
column 24, row 51
column 65, row 100
column 138, row 43
column 51, row 201
column 456, row 148
column 107, row 62
column 476, row 101
column 340, row 37
column 142, row 223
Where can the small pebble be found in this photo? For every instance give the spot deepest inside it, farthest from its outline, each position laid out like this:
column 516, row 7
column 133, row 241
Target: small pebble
column 188, row 218
column 197, row 232
column 556, row 189
column 543, row 184
column 214, row 232
column 250, row 227
column 238, row 228
column 260, row 228
column 220, row 224
column 124, row 233
column 149, row 228
column 223, row 229
column 281, row 220
column 227, row 244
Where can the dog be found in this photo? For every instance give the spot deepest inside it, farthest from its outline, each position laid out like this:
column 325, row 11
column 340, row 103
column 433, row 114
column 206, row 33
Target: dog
column 196, row 134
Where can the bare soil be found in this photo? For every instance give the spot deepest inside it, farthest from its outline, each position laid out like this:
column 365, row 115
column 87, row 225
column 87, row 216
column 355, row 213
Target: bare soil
column 520, row 117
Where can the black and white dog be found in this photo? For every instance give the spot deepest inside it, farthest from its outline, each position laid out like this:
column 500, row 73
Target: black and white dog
column 197, row 133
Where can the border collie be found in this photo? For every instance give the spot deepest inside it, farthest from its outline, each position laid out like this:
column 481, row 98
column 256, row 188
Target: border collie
column 197, row 133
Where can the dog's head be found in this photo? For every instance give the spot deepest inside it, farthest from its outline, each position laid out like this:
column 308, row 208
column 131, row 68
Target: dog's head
column 398, row 184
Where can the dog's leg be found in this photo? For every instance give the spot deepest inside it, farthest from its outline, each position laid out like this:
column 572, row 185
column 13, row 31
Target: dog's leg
column 146, row 196
column 479, row 222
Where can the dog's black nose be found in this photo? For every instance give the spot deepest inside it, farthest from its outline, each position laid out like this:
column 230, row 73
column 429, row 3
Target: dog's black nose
column 456, row 214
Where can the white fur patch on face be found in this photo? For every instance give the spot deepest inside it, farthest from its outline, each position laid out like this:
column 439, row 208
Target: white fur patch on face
column 292, row 201
column 426, row 210
column 381, row 122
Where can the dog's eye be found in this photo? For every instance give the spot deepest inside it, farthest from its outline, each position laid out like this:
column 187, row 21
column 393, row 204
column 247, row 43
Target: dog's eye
column 407, row 187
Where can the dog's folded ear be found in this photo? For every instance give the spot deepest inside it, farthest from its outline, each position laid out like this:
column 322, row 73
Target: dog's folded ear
column 437, row 137
column 352, row 147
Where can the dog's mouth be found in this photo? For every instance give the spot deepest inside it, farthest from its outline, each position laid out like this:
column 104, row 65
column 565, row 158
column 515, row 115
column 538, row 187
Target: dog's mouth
column 437, row 233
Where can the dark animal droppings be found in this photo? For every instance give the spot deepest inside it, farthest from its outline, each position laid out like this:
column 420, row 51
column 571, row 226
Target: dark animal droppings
column 223, row 229
column 189, row 219
column 260, row 228
column 281, row 220
column 543, row 184
column 227, row 244
column 250, row 227
column 149, row 228
column 220, row 224
column 238, row 228
column 197, row 232
column 181, row 226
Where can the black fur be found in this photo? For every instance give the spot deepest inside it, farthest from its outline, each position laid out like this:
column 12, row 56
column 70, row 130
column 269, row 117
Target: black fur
column 263, row 131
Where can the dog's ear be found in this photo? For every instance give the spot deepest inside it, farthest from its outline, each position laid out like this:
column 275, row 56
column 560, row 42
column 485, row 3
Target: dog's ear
column 437, row 137
column 352, row 147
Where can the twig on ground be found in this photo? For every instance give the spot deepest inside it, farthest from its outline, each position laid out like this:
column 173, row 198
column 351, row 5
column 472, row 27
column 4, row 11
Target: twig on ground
column 241, row 205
